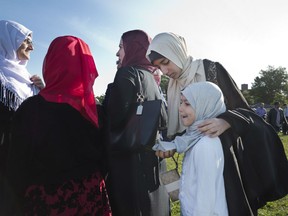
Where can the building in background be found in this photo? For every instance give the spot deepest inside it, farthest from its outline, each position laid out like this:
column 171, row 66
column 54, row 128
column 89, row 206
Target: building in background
column 244, row 87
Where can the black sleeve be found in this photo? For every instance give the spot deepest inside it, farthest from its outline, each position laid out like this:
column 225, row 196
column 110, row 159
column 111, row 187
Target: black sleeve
column 233, row 96
column 18, row 156
column 5, row 126
column 261, row 158
column 239, row 122
column 121, row 96
column 106, row 97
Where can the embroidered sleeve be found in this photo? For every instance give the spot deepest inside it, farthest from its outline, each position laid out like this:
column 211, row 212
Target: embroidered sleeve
column 211, row 73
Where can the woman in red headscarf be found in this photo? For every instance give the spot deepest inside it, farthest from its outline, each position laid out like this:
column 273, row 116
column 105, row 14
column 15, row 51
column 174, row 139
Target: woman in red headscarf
column 133, row 180
column 56, row 160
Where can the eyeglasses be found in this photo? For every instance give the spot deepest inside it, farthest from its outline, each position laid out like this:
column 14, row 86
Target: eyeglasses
column 28, row 41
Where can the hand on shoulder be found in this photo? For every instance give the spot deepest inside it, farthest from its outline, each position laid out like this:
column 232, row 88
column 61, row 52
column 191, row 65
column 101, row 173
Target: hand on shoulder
column 213, row 127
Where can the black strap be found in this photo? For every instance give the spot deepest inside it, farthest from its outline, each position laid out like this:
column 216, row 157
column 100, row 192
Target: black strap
column 140, row 88
column 176, row 161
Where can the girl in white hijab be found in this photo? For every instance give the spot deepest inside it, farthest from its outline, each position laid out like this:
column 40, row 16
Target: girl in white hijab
column 169, row 52
column 200, row 194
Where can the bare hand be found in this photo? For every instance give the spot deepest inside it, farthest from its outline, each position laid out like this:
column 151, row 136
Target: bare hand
column 213, row 127
column 37, row 81
column 166, row 154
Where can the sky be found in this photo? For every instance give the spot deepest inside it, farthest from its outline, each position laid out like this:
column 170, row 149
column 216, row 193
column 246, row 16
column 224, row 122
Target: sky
column 245, row 36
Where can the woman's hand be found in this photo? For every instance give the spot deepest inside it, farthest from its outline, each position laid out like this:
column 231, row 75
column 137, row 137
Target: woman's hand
column 213, row 127
column 37, row 81
column 166, row 154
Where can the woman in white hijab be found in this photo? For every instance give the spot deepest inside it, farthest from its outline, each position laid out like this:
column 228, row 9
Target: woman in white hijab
column 168, row 51
column 16, row 84
column 15, row 80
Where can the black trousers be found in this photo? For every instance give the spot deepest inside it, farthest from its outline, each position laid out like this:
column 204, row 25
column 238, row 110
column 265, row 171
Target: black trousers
column 285, row 127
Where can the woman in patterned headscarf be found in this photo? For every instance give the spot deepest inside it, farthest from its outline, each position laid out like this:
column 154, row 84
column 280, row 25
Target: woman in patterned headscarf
column 56, row 158
column 133, row 177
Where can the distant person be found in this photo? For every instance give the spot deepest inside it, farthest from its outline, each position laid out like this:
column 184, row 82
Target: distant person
column 56, row 160
column 285, row 112
column 276, row 117
column 16, row 84
column 261, row 111
column 133, row 179
column 157, row 77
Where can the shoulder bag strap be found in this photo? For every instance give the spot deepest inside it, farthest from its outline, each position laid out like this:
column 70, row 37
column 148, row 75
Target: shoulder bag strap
column 176, row 161
column 140, row 88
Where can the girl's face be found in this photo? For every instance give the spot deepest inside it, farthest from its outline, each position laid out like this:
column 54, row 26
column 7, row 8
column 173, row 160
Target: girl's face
column 120, row 54
column 23, row 52
column 168, row 67
column 187, row 113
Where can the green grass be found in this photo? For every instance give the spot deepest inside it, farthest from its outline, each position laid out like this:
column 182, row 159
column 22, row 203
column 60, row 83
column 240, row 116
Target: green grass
column 276, row 208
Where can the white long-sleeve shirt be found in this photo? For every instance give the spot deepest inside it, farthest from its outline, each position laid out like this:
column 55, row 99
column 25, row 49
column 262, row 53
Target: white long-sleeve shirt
column 202, row 191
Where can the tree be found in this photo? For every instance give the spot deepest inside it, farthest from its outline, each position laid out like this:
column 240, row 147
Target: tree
column 270, row 86
column 249, row 98
column 100, row 98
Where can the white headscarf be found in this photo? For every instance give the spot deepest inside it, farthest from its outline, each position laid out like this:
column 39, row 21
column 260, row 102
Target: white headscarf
column 207, row 100
column 174, row 48
column 15, row 84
